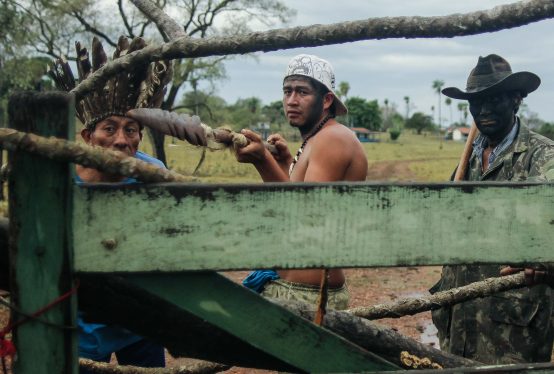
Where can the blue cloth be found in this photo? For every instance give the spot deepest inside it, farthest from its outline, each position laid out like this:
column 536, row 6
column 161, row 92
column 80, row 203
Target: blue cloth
column 141, row 156
column 143, row 354
column 257, row 279
column 98, row 341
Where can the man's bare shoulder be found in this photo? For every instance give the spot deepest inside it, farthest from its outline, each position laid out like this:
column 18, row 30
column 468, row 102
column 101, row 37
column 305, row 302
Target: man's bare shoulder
column 337, row 133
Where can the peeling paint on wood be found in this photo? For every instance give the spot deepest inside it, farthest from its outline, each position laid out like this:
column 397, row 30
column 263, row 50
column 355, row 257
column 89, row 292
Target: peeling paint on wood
column 40, row 231
column 176, row 227
column 267, row 326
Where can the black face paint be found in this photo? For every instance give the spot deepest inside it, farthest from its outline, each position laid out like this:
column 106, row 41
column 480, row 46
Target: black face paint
column 494, row 115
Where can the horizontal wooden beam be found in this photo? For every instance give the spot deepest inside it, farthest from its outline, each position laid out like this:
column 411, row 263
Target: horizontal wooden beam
column 264, row 325
column 176, row 227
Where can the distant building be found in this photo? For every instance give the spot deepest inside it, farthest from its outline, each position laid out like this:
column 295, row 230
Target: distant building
column 364, row 135
column 263, row 129
column 457, row 133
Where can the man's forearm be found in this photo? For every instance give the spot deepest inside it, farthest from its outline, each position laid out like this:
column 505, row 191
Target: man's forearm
column 270, row 171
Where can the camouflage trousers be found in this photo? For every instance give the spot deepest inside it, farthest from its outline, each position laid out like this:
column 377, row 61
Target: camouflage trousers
column 280, row 289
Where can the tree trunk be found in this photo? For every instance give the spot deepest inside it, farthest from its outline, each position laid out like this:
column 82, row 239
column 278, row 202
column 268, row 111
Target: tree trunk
column 380, row 340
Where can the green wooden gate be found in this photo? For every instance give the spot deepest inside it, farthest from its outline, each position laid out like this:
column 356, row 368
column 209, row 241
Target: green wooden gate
column 169, row 239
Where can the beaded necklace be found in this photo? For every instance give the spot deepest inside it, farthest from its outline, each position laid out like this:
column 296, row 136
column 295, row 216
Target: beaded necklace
column 301, row 149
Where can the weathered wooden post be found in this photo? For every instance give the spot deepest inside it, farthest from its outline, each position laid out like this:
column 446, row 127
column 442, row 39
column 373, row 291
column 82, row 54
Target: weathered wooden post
column 41, row 261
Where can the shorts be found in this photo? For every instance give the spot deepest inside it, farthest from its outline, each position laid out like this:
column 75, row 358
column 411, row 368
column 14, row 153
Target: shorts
column 338, row 297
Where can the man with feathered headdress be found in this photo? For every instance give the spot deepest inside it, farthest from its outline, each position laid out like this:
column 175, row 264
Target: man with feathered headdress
column 109, row 124
column 105, row 111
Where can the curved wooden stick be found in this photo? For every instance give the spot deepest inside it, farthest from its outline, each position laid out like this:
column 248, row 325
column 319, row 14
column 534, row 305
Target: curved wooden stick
column 466, row 154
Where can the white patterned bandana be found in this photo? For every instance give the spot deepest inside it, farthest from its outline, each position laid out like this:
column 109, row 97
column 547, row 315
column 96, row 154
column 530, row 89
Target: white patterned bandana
column 318, row 69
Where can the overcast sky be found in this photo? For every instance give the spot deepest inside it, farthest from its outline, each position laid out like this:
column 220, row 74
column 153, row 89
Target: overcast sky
column 393, row 69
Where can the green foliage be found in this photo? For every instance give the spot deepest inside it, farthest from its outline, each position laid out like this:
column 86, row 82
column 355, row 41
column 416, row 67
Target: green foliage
column 246, row 113
column 394, row 133
column 274, row 114
column 419, row 152
column 364, row 113
column 211, row 109
column 342, row 92
column 21, row 74
column 419, row 122
column 547, row 129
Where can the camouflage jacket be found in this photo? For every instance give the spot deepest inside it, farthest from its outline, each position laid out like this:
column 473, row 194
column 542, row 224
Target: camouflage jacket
column 513, row 326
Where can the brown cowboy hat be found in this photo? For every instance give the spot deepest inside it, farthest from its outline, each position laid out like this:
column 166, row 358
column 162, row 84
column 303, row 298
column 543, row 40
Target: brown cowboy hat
column 491, row 75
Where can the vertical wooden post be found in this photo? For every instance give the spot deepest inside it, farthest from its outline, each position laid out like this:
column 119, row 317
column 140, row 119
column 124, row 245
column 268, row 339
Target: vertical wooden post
column 41, row 260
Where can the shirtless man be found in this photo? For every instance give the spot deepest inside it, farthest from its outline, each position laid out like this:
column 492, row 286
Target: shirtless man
column 329, row 152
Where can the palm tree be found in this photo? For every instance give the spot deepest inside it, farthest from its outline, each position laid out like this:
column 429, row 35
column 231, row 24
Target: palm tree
column 386, row 113
column 407, row 100
column 462, row 107
column 344, row 87
column 448, row 102
column 437, row 86
column 342, row 92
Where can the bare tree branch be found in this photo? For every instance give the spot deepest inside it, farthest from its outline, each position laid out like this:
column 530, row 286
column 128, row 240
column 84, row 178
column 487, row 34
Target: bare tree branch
column 197, row 367
column 92, row 29
column 162, row 20
column 411, row 306
column 103, row 159
column 498, row 18
column 378, row 339
column 124, row 18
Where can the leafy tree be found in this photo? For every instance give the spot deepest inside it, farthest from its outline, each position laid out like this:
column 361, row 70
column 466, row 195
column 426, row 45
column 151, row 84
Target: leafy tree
column 20, row 74
column 212, row 109
column 407, row 101
column 364, row 113
column 245, row 113
column 437, row 86
column 342, row 92
column 463, row 108
column 394, row 133
column 419, row 122
column 40, row 33
column 448, row 102
column 273, row 112
column 547, row 129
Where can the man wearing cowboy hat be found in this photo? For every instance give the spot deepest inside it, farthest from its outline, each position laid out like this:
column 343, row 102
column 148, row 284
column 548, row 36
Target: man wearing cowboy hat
column 512, row 326
column 329, row 152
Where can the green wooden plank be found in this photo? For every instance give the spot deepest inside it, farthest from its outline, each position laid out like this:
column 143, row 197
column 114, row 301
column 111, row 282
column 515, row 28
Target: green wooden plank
column 201, row 227
column 40, row 229
column 261, row 323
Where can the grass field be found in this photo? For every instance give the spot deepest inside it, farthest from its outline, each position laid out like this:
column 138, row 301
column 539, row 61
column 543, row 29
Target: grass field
column 412, row 158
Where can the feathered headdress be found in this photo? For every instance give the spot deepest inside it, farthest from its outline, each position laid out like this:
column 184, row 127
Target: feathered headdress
column 141, row 87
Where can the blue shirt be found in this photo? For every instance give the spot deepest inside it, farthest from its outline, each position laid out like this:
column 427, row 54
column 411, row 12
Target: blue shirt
column 96, row 340
column 139, row 155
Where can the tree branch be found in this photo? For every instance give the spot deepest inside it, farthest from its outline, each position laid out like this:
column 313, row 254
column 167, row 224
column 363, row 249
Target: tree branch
column 92, row 29
column 162, row 20
column 411, row 306
column 103, row 159
column 498, row 18
column 378, row 339
column 124, row 18
column 198, row 367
